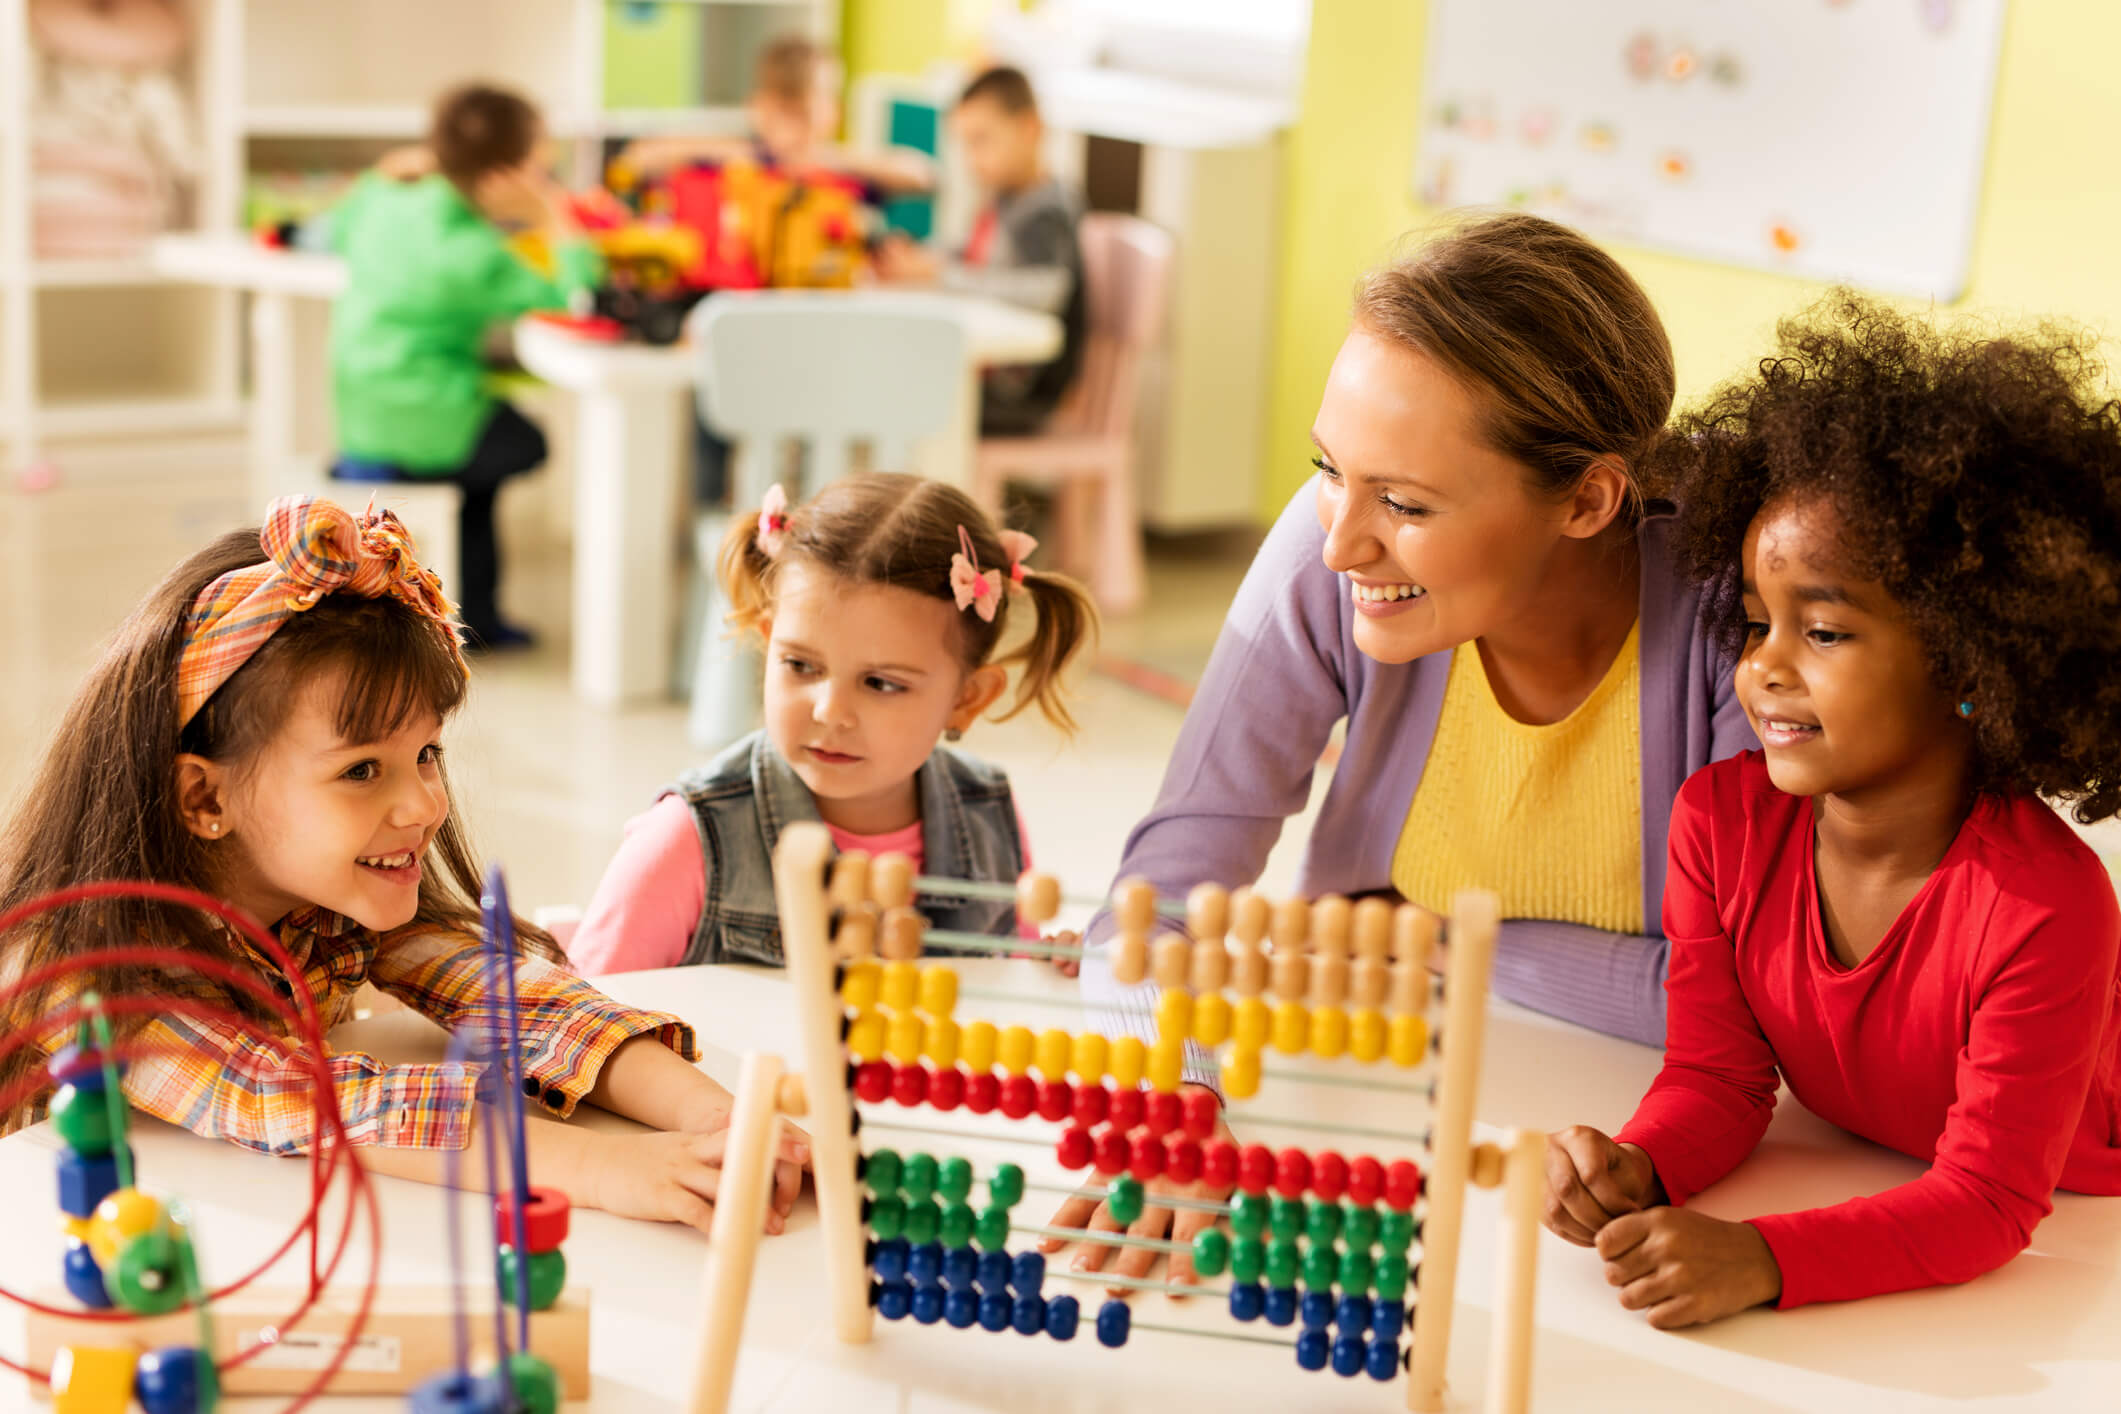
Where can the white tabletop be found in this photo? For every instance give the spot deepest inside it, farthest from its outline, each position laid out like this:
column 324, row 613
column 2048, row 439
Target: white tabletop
column 241, row 263
column 2044, row 1333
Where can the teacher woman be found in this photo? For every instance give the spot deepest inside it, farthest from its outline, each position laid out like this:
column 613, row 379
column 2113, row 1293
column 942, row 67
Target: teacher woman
column 1478, row 584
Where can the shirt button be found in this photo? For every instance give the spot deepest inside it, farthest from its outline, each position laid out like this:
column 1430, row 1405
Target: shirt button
column 555, row 1098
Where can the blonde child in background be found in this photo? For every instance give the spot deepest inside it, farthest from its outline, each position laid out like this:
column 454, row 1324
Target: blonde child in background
column 266, row 728
column 883, row 604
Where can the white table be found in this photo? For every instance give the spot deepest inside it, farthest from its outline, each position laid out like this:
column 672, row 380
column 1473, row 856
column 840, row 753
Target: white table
column 2043, row 1333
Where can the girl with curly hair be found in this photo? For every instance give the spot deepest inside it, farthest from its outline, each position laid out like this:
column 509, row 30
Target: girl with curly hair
column 1914, row 540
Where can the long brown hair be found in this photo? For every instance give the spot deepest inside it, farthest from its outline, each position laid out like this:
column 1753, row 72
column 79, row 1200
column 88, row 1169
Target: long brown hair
column 1565, row 351
column 886, row 528
column 103, row 804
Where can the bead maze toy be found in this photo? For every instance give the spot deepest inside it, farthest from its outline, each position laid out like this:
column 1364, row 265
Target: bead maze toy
column 137, row 1324
column 1338, row 1247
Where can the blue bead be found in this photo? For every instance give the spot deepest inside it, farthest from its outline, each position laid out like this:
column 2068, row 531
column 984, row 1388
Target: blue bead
column 1030, row 1313
column 1388, row 1319
column 1281, row 1305
column 1113, row 1322
column 925, row 1264
column 961, row 1307
column 927, row 1304
column 894, row 1301
column 171, row 1381
column 1247, row 1300
column 1062, row 1313
column 1316, row 1310
column 995, row 1270
column 457, row 1393
column 960, row 1266
column 1312, row 1348
column 1384, row 1360
column 892, row 1259
column 995, row 1311
column 83, row 1183
column 1028, row 1273
column 84, row 1279
column 1353, row 1318
column 1350, row 1354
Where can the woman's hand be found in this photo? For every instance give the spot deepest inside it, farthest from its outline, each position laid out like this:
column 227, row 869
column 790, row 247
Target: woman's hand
column 1591, row 1180
column 676, row 1177
column 1685, row 1269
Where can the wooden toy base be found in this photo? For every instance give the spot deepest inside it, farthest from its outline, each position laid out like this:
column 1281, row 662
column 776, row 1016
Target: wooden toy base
column 406, row 1339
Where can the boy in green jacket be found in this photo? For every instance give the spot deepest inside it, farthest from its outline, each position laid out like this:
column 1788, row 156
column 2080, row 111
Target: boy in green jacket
column 429, row 272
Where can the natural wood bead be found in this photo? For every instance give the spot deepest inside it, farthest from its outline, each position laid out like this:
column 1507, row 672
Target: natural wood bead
column 1368, row 980
column 903, row 928
column 1137, row 906
column 1413, row 934
column 1208, row 912
column 1331, row 918
column 1373, row 929
column 850, row 879
column 1130, row 959
column 1487, row 1165
column 1210, row 966
column 1329, row 980
column 856, row 937
column 789, row 1097
column 1249, row 915
column 1292, row 976
column 891, row 880
column 1292, row 922
column 1410, row 990
column 1174, row 959
column 1248, row 970
column 1038, row 898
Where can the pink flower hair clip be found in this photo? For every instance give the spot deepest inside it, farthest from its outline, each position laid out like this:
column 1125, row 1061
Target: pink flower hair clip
column 773, row 520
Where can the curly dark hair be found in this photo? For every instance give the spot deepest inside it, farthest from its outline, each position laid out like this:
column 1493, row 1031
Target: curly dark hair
column 1978, row 478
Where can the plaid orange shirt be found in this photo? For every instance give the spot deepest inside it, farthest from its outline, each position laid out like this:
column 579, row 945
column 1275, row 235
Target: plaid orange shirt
column 220, row 1083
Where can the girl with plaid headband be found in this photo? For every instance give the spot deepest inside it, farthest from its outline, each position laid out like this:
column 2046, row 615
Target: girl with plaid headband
column 884, row 605
column 268, row 732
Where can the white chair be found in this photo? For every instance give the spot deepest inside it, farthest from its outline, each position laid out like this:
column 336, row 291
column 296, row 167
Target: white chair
column 817, row 369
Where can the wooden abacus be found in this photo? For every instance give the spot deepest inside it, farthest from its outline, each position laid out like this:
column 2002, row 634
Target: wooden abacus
column 1345, row 980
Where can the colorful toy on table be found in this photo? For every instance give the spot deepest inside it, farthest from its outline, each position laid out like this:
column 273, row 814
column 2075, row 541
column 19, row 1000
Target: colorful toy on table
column 1318, row 1239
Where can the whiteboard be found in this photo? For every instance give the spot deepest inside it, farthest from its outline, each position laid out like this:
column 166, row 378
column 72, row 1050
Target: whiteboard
column 1839, row 139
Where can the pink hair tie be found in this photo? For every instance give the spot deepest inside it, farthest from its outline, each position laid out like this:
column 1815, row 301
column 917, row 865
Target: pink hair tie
column 1018, row 547
column 974, row 588
column 773, row 520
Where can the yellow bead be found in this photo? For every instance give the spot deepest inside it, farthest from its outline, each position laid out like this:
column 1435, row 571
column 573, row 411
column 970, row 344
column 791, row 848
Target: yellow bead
column 120, row 1217
column 90, row 1380
column 1167, row 1064
column 1018, row 1047
column 1366, row 1034
column 902, row 983
column 1292, row 1028
column 902, row 1038
column 1409, row 1041
column 938, row 990
column 939, row 1041
column 1174, row 1014
column 1329, row 1031
column 1211, row 1019
column 1087, row 1059
column 1055, row 1048
column 1129, row 1058
column 75, row 1228
column 1241, row 1074
column 858, row 988
column 1250, row 1022
column 977, row 1049
column 865, row 1039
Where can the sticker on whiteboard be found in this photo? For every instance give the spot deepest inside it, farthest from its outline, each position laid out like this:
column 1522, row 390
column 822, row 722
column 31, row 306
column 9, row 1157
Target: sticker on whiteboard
column 313, row 1350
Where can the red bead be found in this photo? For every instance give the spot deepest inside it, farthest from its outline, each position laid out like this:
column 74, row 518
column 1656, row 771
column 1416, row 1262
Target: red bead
column 1148, row 1160
column 1019, row 1096
column 1202, row 1112
column 1075, row 1148
column 1182, row 1159
column 982, row 1092
column 1163, row 1112
column 1329, row 1175
column 910, row 1086
column 1218, row 1164
column 1292, row 1172
column 1113, row 1150
column 1126, row 1110
column 1255, row 1168
column 946, row 1088
column 1366, row 1179
column 1055, row 1099
column 1092, row 1104
column 1402, row 1183
column 872, row 1081
column 544, row 1219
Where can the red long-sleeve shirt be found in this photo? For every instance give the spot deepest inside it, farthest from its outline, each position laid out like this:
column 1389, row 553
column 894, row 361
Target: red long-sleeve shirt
column 1981, row 1034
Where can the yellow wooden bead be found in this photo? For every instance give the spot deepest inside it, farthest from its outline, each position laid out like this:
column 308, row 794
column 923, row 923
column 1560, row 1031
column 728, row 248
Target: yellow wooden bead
column 977, row 1047
column 1129, row 1058
column 1292, row 1027
column 1329, row 1031
column 1087, row 1057
column 902, row 1037
column 1167, row 1064
column 1409, row 1041
column 1211, row 1019
column 902, row 984
column 1018, row 1047
column 1241, row 1074
column 120, row 1217
column 1366, row 1034
column 1055, row 1048
column 76, row 1228
column 1250, row 1021
column 865, row 1039
column 1174, row 1014
column 939, row 1037
column 859, row 986
column 938, row 990
column 92, row 1380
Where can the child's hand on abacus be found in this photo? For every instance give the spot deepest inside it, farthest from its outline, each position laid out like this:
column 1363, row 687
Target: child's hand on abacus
column 1591, row 1180
column 1686, row 1268
column 1065, row 966
column 665, row 1177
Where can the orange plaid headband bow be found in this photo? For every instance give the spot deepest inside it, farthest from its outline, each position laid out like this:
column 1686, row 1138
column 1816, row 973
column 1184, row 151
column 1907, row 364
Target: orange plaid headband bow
column 312, row 548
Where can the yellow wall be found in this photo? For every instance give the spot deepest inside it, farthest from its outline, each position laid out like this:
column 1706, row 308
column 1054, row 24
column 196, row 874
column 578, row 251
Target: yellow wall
column 2048, row 240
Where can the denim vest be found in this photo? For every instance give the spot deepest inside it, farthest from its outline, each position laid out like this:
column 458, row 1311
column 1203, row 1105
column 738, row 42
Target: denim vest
column 745, row 797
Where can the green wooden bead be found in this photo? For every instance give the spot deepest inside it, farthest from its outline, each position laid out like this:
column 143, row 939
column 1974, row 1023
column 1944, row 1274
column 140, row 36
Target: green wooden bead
column 82, row 1119
column 1391, row 1276
column 917, row 1178
column 1322, row 1221
column 1285, row 1219
column 548, row 1275
column 956, row 1227
column 923, row 1219
column 145, row 1280
column 1211, row 1252
column 1248, row 1259
column 887, row 1217
column 1357, row 1270
column 1006, row 1187
column 1397, row 1231
column 1123, row 1196
column 1321, row 1267
column 533, row 1383
column 953, row 1180
column 1248, row 1215
column 1281, row 1263
column 1359, row 1225
column 990, row 1232
column 882, row 1170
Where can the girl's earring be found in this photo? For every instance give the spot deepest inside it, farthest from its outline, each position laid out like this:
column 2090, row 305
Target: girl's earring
column 1966, row 709
column 954, row 734
column 214, row 828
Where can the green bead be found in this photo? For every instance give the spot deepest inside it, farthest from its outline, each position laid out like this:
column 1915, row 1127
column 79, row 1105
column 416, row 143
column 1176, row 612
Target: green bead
column 887, row 1217
column 548, row 1274
column 1286, row 1219
column 1211, row 1252
column 1123, row 1197
column 1359, row 1225
column 882, row 1170
column 144, row 1280
column 1397, row 1231
column 82, row 1119
column 1006, row 1186
column 1392, row 1276
column 534, row 1384
column 954, row 1179
column 917, row 1179
column 1357, row 1270
column 1322, row 1221
column 1248, row 1259
column 1321, row 1267
column 956, row 1228
column 990, row 1232
column 1248, row 1215
column 1281, row 1263
column 922, row 1221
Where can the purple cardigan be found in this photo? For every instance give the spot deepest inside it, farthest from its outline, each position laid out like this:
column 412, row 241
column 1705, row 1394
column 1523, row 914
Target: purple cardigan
column 1286, row 670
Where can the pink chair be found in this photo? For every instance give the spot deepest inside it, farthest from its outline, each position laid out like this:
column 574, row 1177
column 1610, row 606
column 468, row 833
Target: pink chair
column 1086, row 451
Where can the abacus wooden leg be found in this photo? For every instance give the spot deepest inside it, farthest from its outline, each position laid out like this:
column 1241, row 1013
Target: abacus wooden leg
column 739, row 1217
column 1516, row 1273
